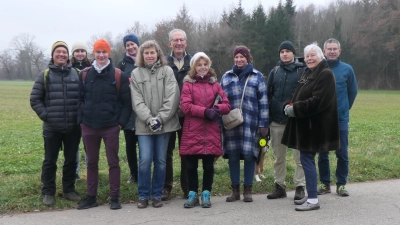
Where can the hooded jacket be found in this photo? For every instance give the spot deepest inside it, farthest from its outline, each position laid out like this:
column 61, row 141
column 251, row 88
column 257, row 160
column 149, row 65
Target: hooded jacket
column 56, row 102
column 200, row 136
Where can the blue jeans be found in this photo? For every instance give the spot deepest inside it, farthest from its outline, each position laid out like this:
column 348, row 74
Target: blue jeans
column 310, row 172
column 342, row 166
column 152, row 148
column 234, row 168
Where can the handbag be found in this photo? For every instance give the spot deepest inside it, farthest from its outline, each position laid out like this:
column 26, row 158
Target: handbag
column 235, row 116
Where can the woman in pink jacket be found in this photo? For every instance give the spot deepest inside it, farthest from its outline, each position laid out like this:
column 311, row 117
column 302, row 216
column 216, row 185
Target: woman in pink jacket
column 202, row 101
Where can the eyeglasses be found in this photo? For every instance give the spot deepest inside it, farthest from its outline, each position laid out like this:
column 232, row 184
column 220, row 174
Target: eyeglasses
column 331, row 49
column 178, row 40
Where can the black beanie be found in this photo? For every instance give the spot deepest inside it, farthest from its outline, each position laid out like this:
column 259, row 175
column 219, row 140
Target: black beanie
column 287, row 45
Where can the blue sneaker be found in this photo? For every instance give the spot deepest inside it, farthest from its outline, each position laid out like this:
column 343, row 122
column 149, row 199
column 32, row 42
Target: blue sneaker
column 193, row 200
column 205, row 199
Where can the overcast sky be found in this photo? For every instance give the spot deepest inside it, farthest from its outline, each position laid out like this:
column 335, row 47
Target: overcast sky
column 51, row 20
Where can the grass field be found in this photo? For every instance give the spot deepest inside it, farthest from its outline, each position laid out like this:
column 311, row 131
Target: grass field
column 374, row 151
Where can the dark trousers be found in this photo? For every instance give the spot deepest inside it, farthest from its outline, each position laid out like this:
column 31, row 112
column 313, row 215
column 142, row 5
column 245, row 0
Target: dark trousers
column 131, row 153
column 169, row 175
column 208, row 171
column 53, row 142
column 92, row 140
column 310, row 172
column 342, row 155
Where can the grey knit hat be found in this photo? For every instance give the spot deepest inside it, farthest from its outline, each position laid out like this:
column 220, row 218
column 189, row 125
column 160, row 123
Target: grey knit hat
column 287, row 45
column 79, row 45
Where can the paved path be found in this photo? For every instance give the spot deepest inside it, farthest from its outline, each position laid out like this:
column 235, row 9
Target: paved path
column 369, row 203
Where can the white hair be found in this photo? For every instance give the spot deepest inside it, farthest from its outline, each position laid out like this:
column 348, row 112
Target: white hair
column 314, row 46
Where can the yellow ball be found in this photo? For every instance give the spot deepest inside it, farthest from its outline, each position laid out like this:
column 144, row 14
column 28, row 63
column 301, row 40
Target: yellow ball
column 262, row 142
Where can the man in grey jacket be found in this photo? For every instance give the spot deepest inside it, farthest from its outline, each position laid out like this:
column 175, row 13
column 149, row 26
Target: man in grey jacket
column 282, row 81
column 54, row 98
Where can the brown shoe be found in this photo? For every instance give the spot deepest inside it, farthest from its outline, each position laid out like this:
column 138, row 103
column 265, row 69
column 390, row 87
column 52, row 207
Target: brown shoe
column 247, row 193
column 235, row 195
column 165, row 194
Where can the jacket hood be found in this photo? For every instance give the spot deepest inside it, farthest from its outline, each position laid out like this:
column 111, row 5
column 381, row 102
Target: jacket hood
column 211, row 76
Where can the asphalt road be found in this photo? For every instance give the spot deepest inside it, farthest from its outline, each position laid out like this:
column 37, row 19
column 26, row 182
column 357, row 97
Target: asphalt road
column 369, row 203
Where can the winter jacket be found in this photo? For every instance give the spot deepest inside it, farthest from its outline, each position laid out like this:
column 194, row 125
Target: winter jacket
column 127, row 65
column 282, row 81
column 315, row 127
column 100, row 104
column 80, row 65
column 179, row 74
column 201, row 136
column 56, row 103
column 155, row 94
column 346, row 87
column 243, row 138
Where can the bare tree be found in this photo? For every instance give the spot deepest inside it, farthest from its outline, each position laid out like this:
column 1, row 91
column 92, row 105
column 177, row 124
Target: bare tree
column 6, row 61
column 28, row 53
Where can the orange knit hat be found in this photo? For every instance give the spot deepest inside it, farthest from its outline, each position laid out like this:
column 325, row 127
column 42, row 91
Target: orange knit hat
column 102, row 44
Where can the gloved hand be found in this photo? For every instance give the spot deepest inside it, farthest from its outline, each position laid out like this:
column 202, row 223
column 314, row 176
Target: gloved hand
column 263, row 131
column 211, row 114
column 289, row 111
column 155, row 124
column 215, row 108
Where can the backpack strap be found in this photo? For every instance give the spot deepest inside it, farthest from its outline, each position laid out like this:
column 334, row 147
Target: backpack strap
column 271, row 84
column 117, row 75
column 45, row 75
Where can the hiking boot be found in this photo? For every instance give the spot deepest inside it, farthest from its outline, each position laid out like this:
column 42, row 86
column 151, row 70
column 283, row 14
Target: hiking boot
column 205, row 199
column 157, row 203
column 279, row 192
column 72, row 196
column 77, row 178
column 323, row 189
column 48, row 200
column 341, row 191
column 114, row 203
column 132, row 179
column 88, row 202
column 165, row 194
column 247, row 193
column 306, row 206
column 193, row 200
column 299, row 194
column 142, row 203
column 235, row 195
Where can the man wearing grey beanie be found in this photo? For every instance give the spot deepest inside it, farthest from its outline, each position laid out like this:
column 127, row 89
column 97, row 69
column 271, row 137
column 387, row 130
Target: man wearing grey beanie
column 282, row 81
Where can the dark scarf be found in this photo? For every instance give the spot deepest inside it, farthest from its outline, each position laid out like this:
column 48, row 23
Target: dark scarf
column 153, row 67
column 242, row 72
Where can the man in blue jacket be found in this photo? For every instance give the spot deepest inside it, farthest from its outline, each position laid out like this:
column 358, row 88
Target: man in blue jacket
column 346, row 91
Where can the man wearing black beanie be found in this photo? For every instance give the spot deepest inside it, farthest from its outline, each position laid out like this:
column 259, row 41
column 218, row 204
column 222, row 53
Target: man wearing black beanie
column 282, row 81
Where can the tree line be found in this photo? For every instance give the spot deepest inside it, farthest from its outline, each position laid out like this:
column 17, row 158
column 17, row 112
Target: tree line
column 369, row 32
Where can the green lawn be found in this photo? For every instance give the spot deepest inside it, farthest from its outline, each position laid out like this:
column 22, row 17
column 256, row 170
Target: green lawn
column 374, row 149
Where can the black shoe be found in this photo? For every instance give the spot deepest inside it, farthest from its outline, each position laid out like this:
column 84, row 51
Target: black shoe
column 279, row 192
column 165, row 194
column 143, row 203
column 88, row 202
column 114, row 203
column 299, row 194
column 157, row 203
column 132, row 179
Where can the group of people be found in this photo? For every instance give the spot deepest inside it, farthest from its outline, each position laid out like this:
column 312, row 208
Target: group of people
column 155, row 98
